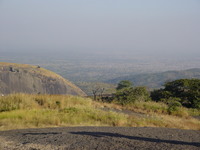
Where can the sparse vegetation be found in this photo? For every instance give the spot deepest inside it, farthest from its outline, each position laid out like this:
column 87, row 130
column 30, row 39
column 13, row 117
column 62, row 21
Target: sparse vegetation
column 180, row 93
column 32, row 111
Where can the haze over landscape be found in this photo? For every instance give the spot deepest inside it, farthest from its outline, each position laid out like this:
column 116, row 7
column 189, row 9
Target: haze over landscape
column 100, row 40
column 124, row 72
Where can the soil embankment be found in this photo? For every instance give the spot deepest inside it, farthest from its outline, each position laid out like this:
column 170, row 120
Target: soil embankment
column 100, row 138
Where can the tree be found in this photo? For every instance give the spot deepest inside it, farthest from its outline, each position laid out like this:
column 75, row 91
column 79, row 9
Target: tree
column 124, row 84
column 187, row 90
column 126, row 94
column 159, row 94
column 94, row 92
column 141, row 94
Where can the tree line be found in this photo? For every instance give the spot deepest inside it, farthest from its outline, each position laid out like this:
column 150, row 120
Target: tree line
column 182, row 92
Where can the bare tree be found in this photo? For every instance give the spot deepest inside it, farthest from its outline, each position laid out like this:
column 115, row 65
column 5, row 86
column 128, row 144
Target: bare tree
column 94, row 92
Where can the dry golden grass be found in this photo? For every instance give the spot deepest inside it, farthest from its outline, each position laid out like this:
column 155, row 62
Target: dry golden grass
column 31, row 68
column 34, row 111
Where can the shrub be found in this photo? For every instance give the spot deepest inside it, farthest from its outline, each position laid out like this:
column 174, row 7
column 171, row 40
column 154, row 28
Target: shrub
column 130, row 95
column 173, row 106
column 125, row 96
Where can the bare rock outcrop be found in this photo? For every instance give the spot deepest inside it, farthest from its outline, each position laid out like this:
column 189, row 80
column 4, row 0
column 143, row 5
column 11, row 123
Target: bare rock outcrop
column 22, row 78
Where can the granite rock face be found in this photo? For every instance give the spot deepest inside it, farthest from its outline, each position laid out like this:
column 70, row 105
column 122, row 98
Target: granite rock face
column 21, row 78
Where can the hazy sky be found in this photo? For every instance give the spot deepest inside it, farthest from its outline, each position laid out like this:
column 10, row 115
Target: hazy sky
column 120, row 26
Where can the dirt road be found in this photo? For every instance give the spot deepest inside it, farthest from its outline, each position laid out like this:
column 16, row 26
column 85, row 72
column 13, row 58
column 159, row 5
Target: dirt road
column 100, row 138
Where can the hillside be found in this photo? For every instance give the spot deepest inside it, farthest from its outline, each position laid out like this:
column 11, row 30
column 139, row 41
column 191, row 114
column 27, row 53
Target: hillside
column 156, row 80
column 22, row 78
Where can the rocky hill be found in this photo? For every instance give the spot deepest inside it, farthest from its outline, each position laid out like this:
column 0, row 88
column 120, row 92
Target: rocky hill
column 22, row 78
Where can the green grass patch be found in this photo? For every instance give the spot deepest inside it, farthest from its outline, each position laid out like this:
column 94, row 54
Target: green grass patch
column 150, row 107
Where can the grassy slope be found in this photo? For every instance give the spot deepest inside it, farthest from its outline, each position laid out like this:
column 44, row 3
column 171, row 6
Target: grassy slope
column 41, row 71
column 33, row 111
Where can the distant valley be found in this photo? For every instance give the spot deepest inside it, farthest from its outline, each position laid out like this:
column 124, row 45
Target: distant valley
column 87, row 71
column 156, row 80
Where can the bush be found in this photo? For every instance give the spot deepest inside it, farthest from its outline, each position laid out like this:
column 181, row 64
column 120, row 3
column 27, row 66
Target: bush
column 157, row 95
column 141, row 94
column 125, row 96
column 173, row 106
column 130, row 95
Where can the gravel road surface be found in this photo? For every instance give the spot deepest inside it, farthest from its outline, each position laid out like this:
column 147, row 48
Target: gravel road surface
column 100, row 138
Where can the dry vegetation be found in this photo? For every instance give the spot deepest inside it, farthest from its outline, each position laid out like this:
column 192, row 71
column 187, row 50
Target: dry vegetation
column 33, row 111
column 31, row 68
